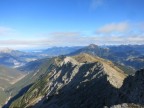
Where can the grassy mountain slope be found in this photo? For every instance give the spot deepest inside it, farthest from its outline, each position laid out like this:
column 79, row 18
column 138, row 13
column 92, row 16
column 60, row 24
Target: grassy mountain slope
column 36, row 68
column 66, row 77
column 8, row 77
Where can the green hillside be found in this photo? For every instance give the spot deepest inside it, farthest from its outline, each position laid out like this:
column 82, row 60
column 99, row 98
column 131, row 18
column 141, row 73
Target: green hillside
column 8, row 77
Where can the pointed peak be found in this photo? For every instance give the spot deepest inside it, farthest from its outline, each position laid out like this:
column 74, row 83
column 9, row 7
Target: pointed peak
column 93, row 46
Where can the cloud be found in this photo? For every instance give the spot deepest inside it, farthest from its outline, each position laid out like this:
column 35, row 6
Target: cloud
column 125, row 34
column 66, row 38
column 126, row 40
column 63, row 34
column 141, row 26
column 53, row 39
column 74, row 39
column 25, row 42
column 114, row 27
column 96, row 3
column 5, row 31
column 77, row 38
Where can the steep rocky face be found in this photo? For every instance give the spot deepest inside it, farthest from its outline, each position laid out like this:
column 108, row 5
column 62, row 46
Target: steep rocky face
column 132, row 90
column 114, row 74
column 74, row 82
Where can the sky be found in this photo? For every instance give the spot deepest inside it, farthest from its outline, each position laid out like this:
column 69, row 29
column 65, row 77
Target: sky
column 30, row 24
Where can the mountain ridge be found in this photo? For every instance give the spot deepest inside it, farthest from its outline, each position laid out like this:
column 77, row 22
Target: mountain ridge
column 67, row 73
column 124, row 55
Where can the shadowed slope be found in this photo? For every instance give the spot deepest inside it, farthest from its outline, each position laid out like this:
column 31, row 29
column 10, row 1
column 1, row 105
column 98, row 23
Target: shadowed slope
column 70, row 80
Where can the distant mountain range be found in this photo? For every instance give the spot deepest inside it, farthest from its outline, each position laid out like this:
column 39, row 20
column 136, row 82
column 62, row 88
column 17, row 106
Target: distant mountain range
column 56, row 51
column 126, row 55
column 15, row 58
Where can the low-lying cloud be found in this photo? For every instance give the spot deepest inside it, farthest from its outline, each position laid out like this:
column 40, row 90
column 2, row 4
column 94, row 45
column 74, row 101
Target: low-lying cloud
column 114, row 27
column 109, row 34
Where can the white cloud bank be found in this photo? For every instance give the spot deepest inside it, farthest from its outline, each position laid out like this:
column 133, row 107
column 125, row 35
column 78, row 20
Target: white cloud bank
column 114, row 27
column 109, row 34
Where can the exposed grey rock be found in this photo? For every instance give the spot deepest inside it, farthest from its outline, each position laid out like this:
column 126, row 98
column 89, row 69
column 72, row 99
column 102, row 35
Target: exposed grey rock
column 126, row 105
